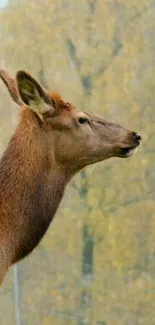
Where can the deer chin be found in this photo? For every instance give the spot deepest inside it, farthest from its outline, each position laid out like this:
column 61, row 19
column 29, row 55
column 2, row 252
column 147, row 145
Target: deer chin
column 128, row 151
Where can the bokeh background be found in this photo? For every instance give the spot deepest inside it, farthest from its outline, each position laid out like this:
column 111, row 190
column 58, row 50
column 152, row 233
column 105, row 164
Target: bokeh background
column 96, row 264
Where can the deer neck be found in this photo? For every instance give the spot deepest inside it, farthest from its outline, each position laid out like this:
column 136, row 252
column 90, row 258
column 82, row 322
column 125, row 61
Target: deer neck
column 31, row 188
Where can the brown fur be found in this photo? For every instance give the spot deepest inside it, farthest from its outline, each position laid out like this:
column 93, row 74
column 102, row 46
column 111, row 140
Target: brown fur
column 57, row 99
column 11, row 85
column 46, row 150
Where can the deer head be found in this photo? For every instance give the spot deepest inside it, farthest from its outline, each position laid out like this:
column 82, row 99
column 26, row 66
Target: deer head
column 73, row 138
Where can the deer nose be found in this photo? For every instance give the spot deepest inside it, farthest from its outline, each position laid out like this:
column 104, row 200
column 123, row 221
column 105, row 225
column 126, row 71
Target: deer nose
column 137, row 136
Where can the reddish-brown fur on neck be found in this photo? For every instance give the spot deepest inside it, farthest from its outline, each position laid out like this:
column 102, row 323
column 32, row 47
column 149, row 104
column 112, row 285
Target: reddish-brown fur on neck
column 30, row 191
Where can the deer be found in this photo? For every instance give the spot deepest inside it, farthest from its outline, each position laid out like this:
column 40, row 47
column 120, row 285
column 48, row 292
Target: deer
column 53, row 141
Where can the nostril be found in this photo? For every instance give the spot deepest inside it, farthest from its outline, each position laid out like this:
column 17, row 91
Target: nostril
column 137, row 136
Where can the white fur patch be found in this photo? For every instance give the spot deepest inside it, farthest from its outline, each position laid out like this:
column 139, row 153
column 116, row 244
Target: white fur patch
column 131, row 152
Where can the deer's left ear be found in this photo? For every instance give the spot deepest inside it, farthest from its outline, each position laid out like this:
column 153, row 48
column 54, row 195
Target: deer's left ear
column 33, row 94
column 11, row 86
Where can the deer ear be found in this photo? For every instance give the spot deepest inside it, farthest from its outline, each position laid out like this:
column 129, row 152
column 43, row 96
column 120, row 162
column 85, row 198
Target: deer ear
column 11, row 86
column 33, row 95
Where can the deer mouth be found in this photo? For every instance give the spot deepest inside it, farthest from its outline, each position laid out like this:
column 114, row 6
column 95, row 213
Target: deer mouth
column 128, row 151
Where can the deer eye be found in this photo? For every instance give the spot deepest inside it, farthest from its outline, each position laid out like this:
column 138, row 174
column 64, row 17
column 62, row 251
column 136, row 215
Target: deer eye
column 83, row 120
